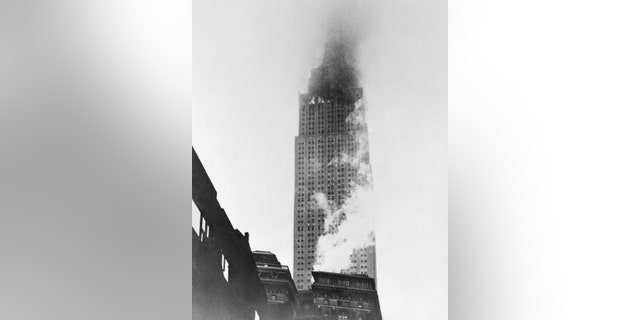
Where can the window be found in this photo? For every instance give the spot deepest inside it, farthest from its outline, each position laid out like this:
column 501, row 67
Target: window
column 225, row 270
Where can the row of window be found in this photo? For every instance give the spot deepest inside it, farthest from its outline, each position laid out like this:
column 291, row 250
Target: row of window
column 325, row 122
column 311, row 228
column 302, row 149
column 325, row 109
column 302, row 251
column 322, row 158
column 329, row 140
column 327, row 174
column 323, row 131
column 329, row 180
column 321, row 149
column 326, row 162
column 309, row 235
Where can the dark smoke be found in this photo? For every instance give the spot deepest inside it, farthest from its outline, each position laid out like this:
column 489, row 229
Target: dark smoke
column 337, row 77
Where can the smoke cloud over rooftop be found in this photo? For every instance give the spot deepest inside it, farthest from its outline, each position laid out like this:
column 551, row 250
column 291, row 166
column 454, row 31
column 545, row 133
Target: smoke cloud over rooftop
column 338, row 74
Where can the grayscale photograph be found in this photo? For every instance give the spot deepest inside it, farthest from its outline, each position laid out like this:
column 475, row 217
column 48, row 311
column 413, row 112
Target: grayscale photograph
column 319, row 147
column 350, row 159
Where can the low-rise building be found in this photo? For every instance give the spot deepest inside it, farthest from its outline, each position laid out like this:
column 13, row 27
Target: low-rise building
column 340, row 296
column 280, row 290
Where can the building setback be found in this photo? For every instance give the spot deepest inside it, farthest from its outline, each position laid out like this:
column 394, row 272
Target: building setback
column 325, row 135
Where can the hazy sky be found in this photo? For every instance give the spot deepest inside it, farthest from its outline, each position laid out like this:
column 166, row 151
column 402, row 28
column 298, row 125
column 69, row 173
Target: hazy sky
column 251, row 59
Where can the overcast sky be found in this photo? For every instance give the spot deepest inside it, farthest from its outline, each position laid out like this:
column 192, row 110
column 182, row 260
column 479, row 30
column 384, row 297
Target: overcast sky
column 251, row 59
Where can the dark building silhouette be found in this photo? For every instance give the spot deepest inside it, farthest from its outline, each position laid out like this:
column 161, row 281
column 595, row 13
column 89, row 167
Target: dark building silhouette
column 340, row 296
column 280, row 290
column 225, row 282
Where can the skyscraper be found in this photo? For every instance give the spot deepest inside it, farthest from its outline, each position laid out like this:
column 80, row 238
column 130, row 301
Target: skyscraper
column 330, row 147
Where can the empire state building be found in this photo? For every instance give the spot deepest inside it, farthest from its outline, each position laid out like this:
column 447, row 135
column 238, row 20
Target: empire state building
column 327, row 135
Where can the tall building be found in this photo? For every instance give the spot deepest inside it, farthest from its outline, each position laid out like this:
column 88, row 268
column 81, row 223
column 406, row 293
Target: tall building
column 328, row 134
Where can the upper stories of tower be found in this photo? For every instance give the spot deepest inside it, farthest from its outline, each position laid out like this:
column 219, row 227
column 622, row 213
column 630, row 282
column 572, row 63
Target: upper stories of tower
column 336, row 78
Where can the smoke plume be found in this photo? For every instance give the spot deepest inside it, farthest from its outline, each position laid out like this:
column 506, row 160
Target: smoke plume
column 348, row 226
column 338, row 74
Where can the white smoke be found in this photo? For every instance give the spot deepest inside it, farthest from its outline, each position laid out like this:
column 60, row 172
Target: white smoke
column 315, row 164
column 350, row 226
column 323, row 202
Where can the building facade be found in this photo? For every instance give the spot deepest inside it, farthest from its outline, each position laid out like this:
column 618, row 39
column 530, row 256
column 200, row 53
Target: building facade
column 328, row 136
column 280, row 290
column 341, row 297
column 363, row 261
